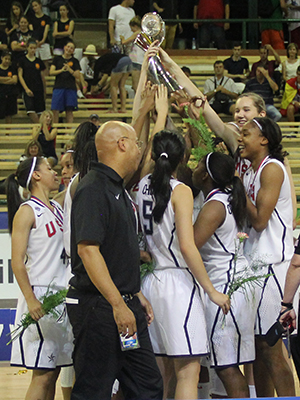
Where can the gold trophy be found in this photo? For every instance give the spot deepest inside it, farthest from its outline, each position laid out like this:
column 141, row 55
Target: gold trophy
column 153, row 28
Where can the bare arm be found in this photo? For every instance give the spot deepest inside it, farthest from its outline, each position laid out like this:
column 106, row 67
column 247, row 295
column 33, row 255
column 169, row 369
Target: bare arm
column 111, row 31
column 15, row 46
column 284, row 71
column 36, row 131
column 63, row 33
column 276, row 55
column 23, row 222
column 46, row 31
column 55, row 33
column 6, row 80
column 293, row 191
column 182, row 202
column 271, row 180
column 54, row 72
column 97, row 271
column 49, row 135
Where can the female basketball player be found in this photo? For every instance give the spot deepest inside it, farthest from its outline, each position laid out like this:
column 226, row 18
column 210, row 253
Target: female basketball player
column 36, row 228
column 165, row 208
column 220, row 219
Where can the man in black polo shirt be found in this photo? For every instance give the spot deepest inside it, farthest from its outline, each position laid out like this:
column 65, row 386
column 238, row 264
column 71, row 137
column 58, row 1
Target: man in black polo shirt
column 237, row 67
column 104, row 300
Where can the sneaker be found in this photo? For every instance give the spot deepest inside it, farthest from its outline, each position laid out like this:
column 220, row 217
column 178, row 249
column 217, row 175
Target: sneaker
column 80, row 95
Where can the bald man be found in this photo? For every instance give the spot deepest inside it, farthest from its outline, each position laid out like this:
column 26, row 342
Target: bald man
column 104, row 300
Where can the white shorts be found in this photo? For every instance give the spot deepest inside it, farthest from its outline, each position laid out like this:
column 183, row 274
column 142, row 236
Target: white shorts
column 232, row 336
column 45, row 345
column 179, row 327
column 44, row 52
column 269, row 305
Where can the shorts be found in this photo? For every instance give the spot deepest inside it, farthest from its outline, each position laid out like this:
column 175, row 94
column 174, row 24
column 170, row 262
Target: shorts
column 274, row 38
column 136, row 67
column 232, row 336
column 8, row 105
column 283, row 111
column 45, row 345
column 124, row 65
column 179, row 327
column 44, row 52
column 270, row 298
column 64, row 99
column 58, row 52
column 35, row 104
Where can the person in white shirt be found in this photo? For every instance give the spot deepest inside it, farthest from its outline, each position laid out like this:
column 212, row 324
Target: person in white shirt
column 118, row 21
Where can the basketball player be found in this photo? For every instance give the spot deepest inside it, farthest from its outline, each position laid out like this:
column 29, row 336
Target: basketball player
column 36, row 227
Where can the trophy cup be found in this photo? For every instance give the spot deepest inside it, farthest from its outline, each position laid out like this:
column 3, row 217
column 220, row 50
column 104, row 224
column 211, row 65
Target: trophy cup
column 153, row 28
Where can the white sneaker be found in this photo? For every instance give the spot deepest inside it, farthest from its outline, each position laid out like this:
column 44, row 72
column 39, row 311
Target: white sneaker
column 80, row 95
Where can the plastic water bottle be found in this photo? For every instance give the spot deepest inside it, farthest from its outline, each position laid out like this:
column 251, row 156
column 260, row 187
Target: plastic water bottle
column 194, row 45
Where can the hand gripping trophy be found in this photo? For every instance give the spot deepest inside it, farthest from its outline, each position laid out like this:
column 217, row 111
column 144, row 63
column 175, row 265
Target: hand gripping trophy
column 153, row 28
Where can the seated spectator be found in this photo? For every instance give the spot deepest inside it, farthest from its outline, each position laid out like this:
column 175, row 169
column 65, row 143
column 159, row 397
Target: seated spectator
column 8, row 88
column 118, row 66
column 45, row 134
column 63, row 30
column 40, row 24
column 31, row 74
column 19, row 39
column 135, row 53
column 95, row 119
column 237, row 67
column 221, row 90
column 290, row 65
column 188, row 73
column 3, row 42
column 265, row 86
column 87, row 64
column 16, row 12
column 291, row 98
column 32, row 149
column 270, row 65
column 66, row 70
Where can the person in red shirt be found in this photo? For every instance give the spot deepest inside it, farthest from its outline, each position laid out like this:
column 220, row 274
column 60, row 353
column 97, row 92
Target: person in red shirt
column 212, row 32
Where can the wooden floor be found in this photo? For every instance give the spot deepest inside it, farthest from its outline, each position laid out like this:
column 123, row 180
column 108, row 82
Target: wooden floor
column 14, row 383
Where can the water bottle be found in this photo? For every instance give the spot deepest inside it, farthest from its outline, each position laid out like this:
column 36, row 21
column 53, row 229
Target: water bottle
column 194, row 46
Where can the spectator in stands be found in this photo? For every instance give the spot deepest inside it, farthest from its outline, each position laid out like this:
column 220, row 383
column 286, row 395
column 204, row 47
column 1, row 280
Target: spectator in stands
column 3, row 42
column 87, row 65
column 32, row 149
column 66, row 69
column 8, row 89
column 290, row 65
column 237, row 67
column 63, row 30
column 45, row 134
column 31, row 73
column 40, row 24
column 212, row 32
column 265, row 86
column 270, row 65
column 271, row 32
column 168, row 9
column 118, row 21
column 16, row 12
column 293, row 7
column 291, row 98
column 221, row 90
column 95, row 119
column 19, row 39
column 136, row 54
column 188, row 73
column 118, row 66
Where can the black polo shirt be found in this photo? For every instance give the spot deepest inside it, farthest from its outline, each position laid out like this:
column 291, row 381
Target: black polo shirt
column 103, row 213
column 236, row 67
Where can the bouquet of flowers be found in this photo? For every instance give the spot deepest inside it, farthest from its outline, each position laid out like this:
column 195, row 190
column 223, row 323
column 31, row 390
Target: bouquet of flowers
column 50, row 300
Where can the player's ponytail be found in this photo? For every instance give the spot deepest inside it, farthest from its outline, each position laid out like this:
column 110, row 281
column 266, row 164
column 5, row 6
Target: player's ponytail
column 221, row 169
column 22, row 177
column 167, row 151
column 84, row 148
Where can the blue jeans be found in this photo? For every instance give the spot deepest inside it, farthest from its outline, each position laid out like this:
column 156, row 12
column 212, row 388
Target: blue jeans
column 212, row 33
column 273, row 113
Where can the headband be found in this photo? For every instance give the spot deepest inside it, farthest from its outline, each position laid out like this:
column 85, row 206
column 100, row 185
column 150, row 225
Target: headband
column 164, row 155
column 258, row 125
column 33, row 164
column 69, row 151
column 207, row 166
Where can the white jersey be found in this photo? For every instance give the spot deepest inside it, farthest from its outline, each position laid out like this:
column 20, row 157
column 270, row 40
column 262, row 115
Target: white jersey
column 45, row 252
column 275, row 243
column 162, row 238
column 122, row 16
column 218, row 252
